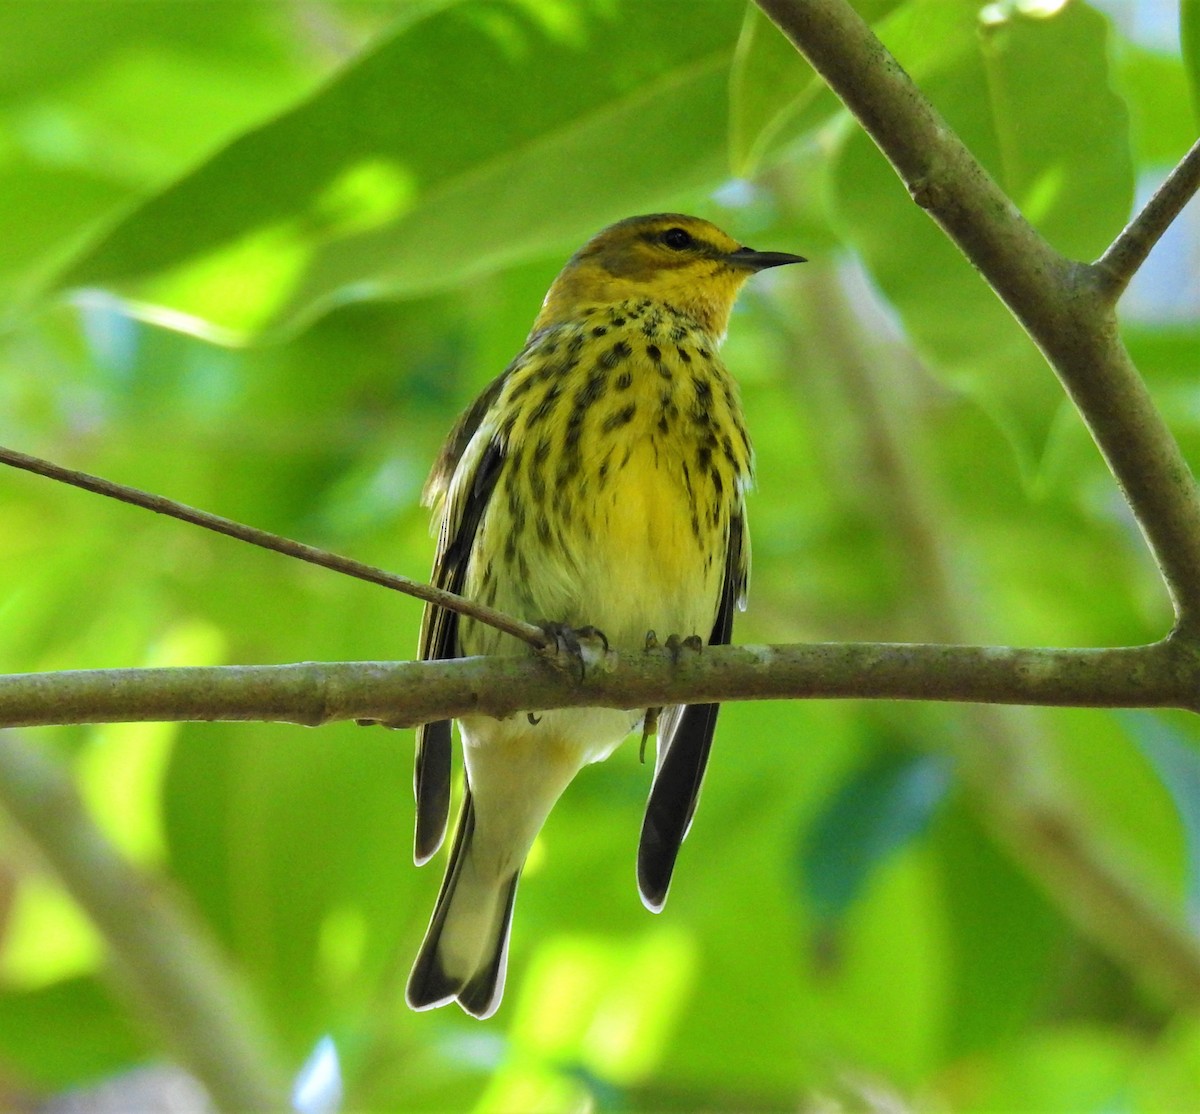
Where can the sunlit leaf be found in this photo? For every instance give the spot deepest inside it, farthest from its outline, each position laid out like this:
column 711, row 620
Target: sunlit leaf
column 395, row 184
column 1075, row 184
column 100, row 102
column 1155, row 87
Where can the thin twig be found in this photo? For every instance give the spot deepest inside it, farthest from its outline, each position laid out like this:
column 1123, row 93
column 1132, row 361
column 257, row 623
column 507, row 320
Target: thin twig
column 527, row 632
column 1128, row 251
column 163, row 961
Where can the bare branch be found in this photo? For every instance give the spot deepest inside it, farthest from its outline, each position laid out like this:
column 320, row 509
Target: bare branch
column 518, row 628
column 161, row 960
column 1163, row 674
column 1129, row 250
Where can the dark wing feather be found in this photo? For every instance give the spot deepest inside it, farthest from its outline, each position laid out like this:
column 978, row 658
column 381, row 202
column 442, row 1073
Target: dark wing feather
column 439, row 628
column 685, row 738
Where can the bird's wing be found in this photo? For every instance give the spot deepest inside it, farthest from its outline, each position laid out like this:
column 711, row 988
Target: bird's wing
column 685, row 737
column 459, row 488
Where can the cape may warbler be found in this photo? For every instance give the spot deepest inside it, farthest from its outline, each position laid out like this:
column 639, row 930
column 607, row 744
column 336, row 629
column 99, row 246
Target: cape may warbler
column 599, row 480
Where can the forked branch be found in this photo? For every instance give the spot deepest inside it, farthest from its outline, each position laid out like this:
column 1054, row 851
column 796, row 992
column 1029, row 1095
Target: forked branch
column 1064, row 305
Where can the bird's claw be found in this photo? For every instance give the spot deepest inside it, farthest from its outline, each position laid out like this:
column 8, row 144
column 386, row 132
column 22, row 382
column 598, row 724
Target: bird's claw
column 565, row 641
column 649, row 727
column 675, row 644
column 594, row 633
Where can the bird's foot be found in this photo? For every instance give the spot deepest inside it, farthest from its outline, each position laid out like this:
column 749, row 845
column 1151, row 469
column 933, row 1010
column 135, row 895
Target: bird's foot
column 573, row 644
column 649, row 727
column 674, row 644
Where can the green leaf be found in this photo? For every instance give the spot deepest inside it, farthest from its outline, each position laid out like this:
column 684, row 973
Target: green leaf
column 296, row 849
column 1007, row 103
column 101, row 102
column 1063, row 133
column 1004, row 935
column 1118, row 780
column 1156, row 89
column 882, row 806
column 770, row 86
column 65, row 1034
column 1177, row 762
column 1069, row 1067
column 1189, row 42
column 775, row 95
column 400, row 177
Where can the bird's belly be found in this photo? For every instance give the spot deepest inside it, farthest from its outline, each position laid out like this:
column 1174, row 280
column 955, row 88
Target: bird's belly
column 626, row 560
column 629, row 559
column 564, row 738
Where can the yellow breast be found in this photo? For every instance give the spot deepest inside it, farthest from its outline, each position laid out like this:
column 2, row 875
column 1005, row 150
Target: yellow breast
column 625, row 460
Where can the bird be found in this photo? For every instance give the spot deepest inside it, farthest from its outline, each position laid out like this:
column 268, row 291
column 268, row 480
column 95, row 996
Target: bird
column 597, row 484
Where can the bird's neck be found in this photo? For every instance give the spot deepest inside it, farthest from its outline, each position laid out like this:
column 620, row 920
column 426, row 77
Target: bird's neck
column 574, row 293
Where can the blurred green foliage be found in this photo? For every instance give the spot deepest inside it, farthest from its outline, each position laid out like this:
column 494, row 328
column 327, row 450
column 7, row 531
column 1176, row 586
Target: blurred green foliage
column 257, row 256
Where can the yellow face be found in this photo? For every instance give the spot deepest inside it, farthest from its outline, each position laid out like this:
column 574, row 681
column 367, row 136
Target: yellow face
column 682, row 261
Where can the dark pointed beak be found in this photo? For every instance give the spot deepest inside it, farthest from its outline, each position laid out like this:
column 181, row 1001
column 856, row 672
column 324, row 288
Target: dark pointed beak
column 760, row 260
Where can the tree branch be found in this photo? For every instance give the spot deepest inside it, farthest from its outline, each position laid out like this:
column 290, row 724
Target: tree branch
column 518, row 628
column 1164, row 674
column 161, row 960
column 1063, row 305
column 1129, row 250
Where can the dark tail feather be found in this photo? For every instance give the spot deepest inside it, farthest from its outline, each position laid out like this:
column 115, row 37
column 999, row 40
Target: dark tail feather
column 672, row 800
column 480, row 997
column 431, row 787
column 478, row 989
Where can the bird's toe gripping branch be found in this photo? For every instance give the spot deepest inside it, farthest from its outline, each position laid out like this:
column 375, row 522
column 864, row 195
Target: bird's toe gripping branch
column 674, row 644
column 574, row 645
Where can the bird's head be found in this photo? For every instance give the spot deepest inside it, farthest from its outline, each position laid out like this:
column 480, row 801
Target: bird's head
column 681, row 261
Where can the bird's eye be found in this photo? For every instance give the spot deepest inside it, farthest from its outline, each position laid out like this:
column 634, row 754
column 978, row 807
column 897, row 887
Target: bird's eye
column 677, row 239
